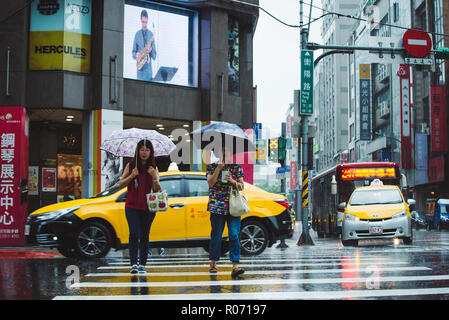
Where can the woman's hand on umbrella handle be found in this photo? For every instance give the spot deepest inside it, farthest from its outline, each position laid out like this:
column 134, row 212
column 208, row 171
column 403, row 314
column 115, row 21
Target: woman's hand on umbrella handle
column 135, row 172
column 221, row 164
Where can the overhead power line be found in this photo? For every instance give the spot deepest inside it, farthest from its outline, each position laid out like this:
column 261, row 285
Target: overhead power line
column 339, row 15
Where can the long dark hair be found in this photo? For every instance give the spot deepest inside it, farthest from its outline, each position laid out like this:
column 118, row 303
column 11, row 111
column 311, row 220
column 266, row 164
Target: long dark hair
column 151, row 160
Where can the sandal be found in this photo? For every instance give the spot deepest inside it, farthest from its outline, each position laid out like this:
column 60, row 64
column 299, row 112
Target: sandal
column 237, row 271
column 213, row 270
column 213, row 267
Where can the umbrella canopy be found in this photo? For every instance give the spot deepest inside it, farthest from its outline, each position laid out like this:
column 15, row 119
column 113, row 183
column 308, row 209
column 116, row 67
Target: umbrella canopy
column 228, row 133
column 122, row 143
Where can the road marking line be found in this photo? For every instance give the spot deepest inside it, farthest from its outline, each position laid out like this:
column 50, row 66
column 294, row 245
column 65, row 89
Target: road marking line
column 319, row 295
column 253, row 272
column 256, row 282
column 260, row 265
column 256, row 261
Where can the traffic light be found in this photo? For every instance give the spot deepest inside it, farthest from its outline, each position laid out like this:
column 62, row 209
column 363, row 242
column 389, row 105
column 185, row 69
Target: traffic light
column 442, row 53
column 282, row 144
column 273, row 150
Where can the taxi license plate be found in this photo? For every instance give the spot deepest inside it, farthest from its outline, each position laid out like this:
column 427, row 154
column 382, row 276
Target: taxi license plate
column 376, row 230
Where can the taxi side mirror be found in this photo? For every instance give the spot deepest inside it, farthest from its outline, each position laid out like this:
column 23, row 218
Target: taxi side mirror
column 341, row 206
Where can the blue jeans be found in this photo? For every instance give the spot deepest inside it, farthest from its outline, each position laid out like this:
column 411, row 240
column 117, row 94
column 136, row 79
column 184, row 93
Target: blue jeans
column 139, row 223
column 218, row 223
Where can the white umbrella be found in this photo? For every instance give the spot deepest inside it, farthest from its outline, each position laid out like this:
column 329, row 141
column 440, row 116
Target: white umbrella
column 122, row 143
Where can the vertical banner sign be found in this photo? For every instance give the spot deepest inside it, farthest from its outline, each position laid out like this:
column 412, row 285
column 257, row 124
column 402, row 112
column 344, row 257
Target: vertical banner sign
column 261, row 152
column 421, row 159
column 306, row 102
column 289, row 125
column 365, row 101
column 406, row 141
column 60, row 33
column 438, row 119
column 436, row 169
column 293, row 175
column 13, row 175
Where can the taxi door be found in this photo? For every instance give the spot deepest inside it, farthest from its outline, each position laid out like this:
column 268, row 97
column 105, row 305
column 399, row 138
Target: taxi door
column 171, row 224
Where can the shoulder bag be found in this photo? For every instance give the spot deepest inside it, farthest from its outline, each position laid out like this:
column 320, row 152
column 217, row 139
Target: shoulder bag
column 238, row 203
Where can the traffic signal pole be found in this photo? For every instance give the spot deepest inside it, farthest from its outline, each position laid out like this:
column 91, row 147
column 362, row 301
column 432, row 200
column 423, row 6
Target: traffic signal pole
column 305, row 238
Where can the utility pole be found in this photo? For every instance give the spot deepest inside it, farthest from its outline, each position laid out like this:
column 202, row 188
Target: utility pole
column 305, row 238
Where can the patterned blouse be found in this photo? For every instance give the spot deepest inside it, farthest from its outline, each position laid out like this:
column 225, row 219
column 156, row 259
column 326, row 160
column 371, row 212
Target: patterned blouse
column 219, row 192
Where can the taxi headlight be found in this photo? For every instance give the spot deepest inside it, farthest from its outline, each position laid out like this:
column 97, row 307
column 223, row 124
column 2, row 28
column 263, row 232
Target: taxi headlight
column 55, row 214
column 400, row 214
column 351, row 217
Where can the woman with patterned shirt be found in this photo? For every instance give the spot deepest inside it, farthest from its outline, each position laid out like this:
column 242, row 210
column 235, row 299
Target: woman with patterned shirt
column 218, row 206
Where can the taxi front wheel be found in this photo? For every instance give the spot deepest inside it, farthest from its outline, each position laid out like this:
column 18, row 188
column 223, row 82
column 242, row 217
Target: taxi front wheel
column 93, row 240
column 254, row 237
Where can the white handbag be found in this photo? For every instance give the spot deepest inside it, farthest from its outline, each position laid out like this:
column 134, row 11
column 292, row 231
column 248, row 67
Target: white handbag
column 157, row 201
column 238, row 203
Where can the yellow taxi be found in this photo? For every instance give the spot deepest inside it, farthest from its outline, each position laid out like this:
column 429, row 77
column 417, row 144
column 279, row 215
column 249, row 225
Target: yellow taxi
column 376, row 211
column 89, row 228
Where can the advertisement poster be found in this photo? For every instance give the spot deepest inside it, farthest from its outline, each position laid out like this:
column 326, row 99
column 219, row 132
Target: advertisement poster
column 13, row 175
column 111, row 166
column 60, row 32
column 33, row 180
column 160, row 43
column 69, row 176
column 49, row 179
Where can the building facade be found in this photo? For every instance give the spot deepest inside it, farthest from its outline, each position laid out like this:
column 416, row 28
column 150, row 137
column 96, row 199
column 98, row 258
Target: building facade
column 74, row 66
column 397, row 111
column 331, row 105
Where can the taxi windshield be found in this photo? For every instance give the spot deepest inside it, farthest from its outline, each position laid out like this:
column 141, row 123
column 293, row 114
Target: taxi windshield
column 108, row 191
column 367, row 197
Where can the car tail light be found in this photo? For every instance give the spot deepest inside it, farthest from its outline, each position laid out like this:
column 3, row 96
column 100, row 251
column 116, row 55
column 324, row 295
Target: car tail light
column 283, row 203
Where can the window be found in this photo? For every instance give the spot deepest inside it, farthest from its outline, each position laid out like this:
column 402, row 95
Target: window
column 369, row 197
column 197, row 188
column 173, row 187
column 439, row 39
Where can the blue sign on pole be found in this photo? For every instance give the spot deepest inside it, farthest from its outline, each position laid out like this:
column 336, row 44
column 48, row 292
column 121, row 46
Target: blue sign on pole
column 257, row 127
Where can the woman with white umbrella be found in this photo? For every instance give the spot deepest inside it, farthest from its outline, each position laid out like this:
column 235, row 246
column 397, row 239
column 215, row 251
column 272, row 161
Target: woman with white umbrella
column 140, row 176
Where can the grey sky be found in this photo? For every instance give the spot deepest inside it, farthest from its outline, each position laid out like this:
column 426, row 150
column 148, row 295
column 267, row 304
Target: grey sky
column 276, row 59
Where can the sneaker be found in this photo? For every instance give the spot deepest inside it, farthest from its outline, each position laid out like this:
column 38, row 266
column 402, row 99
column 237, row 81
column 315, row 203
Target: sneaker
column 134, row 269
column 142, row 269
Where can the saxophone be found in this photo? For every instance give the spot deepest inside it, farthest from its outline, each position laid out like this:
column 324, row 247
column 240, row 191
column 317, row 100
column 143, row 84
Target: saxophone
column 144, row 55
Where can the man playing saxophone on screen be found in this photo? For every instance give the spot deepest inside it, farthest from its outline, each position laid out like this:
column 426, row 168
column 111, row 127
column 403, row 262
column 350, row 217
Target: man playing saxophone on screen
column 144, row 49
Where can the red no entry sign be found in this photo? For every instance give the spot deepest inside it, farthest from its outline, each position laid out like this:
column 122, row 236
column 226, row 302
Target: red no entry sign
column 417, row 42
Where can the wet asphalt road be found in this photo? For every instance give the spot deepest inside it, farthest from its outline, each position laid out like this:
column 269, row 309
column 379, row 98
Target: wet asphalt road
column 377, row 269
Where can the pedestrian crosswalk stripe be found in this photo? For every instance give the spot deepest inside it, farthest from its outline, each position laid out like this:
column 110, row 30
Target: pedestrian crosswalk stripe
column 255, row 261
column 274, row 265
column 321, row 295
column 249, row 282
column 255, row 272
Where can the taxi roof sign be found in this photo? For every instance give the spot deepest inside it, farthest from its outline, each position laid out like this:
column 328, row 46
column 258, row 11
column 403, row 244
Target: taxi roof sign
column 377, row 182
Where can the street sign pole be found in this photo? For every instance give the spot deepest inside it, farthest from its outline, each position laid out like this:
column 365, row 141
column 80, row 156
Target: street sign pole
column 305, row 110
